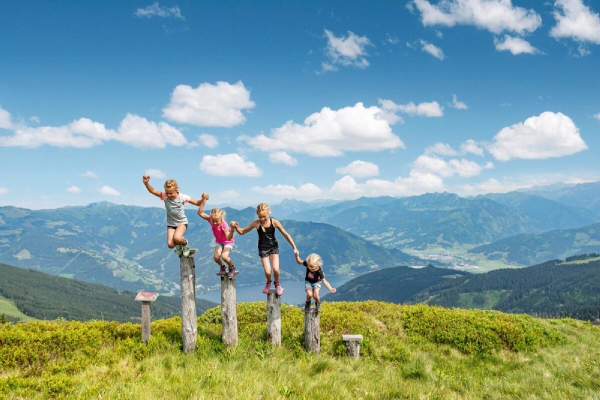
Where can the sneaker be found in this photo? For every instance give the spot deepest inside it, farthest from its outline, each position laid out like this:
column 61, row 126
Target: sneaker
column 231, row 271
column 307, row 306
column 185, row 250
column 278, row 288
column 267, row 288
column 178, row 250
column 222, row 271
column 318, row 307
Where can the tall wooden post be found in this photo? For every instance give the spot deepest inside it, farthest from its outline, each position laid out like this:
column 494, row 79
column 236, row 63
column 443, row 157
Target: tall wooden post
column 312, row 331
column 273, row 318
column 146, row 298
column 229, row 311
column 189, row 329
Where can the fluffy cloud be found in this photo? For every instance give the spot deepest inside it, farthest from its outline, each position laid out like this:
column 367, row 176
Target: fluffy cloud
column 73, row 190
column 548, row 135
column 432, row 49
column 471, row 146
column 490, row 186
column 495, row 16
column 5, row 119
column 89, row 174
column 229, row 165
column 442, row 149
column 307, row 191
column 281, row 157
column 349, row 51
column 209, row 141
column 416, row 183
column 576, row 21
column 139, row 132
column 432, row 109
column 359, row 169
column 515, row 45
column 109, row 191
column 219, row 105
column 597, row 116
column 155, row 173
column 155, row 10
column 434, row 165
column 331, row 133
column 459, row 105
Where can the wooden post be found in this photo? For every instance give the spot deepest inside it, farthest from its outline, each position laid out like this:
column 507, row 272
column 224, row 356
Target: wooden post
column 353, row 344
column 312, row 331
column 273, row 318
column 146, row 298
column 189, row 329
column 229, row 311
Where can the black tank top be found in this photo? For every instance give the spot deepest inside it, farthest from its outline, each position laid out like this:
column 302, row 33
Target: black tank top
column 266, row 236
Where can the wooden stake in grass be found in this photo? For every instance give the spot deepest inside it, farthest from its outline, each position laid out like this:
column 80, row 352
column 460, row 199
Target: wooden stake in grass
column 146, row 298
column 229, row 311
column 189, row 329
column 273, row 318
column 312, row 331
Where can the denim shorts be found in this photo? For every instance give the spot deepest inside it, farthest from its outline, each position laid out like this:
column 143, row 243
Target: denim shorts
column 224, row 246
column 263, row 253
column 312, row 286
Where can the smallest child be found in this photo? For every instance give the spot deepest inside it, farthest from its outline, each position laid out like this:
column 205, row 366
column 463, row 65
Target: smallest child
column 312, row 280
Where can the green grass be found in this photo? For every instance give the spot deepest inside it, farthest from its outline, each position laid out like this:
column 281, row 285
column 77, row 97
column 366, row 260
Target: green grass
column 9, row 309
column 408, row 352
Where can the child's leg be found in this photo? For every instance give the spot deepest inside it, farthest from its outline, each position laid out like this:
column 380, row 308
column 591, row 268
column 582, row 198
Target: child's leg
column 178, row 236
column 217, row 255
column 315, row 295
column 309, row 295
column 170, row 234
column 225, row 256
column 275, row 261
column 267, row 268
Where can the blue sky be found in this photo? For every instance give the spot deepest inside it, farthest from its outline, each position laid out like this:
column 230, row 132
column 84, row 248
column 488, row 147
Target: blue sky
column 260, row 101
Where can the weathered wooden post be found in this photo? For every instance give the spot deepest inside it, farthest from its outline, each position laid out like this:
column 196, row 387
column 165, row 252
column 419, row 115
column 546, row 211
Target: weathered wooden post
column 353, row 344
column 273, row 318
column 146, row 298
column 189, row 328
column 229, row 311
column 312, row 331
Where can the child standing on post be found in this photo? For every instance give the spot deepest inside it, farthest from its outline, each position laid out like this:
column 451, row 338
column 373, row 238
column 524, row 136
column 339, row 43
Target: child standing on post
column 268, row 247
column 176, row 220
column 312, row 280
column 223, row 236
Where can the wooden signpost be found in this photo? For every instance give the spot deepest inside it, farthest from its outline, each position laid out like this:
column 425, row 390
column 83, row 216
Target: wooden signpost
column 146, row 298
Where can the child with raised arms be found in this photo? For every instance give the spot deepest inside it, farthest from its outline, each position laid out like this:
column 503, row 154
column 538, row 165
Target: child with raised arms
column 312, row 280
column 223, row 236
column 177, row 222
column 268, row 247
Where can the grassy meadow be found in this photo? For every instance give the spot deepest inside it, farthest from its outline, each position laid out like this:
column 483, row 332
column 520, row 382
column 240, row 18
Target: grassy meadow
column 408, row 352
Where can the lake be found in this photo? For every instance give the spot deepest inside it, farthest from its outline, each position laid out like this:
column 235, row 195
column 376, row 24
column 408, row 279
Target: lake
column 293, row 291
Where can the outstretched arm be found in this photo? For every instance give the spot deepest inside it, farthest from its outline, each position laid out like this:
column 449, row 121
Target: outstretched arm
column 201, row 204
column 146, row 180
column 236, row 226
column 328, row 286
column 286, row 235
column 298, row 259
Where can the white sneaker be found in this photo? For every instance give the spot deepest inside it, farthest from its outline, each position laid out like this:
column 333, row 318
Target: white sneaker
column 178, row 250
column 185, row 250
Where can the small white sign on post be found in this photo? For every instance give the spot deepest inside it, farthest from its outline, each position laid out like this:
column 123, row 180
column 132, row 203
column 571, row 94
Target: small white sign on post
column 146, row 298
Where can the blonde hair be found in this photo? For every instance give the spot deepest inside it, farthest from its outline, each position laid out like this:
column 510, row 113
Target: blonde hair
column 262, row 207
column 218, row 213
column 314, row 260
column 171, row 183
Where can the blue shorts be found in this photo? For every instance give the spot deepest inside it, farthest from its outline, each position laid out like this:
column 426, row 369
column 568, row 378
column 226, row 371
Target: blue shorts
column 224, row 246
column 312, row 286
column 264, row 253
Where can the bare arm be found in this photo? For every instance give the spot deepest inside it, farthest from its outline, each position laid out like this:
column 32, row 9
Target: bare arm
column 201, row 212
column 328, row 286
column 146, row 180
column 194, row 202
column 246, row 229
column 286, row 235
column 229, row 233
column 298, row 260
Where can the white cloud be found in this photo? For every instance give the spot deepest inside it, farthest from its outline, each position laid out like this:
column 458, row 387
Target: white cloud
column 281, row 157
column 490, row 186
column 432, row 49
column 349, row 51
column 471, row 146
column 5, row 119
column 35, row 119
column 155, row 10
column 495, row 16
column 434, row 165
column 359, row 169
column 3, row 190
column 109, row 191
column 331, row 133
column 576, row 21
column 597, row 116
column 548, row 135
column 53, row 136
column 209, row 141
column 228, row 194
column 416, row 183
column 229, row 165
column 89, row 174
column 139, row 132
column 306, row 191
column 432, row 109
column 219, row 105
column 515, row 45
column 155, row 173
column 442, row 149
column 459, row 105
column 73, row 189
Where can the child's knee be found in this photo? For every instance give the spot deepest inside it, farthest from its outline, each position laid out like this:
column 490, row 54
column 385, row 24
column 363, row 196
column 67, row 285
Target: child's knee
column 171, row 245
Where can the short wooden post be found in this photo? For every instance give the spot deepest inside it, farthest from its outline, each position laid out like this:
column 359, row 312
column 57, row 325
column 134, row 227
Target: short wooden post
column 146, row 298
column 229, row 311
column 353, row 344
column 273, row 318
column 189, row 328
column 312, row 331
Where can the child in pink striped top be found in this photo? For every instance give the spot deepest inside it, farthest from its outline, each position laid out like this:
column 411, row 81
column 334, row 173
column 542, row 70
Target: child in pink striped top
column 223, row 236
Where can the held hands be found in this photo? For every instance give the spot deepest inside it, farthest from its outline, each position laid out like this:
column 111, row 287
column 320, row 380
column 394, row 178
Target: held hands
column 205, row 196
column 233, row 224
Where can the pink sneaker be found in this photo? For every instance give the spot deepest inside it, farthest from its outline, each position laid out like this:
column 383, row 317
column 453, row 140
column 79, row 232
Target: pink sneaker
column 267, row 288
column 278, row 288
